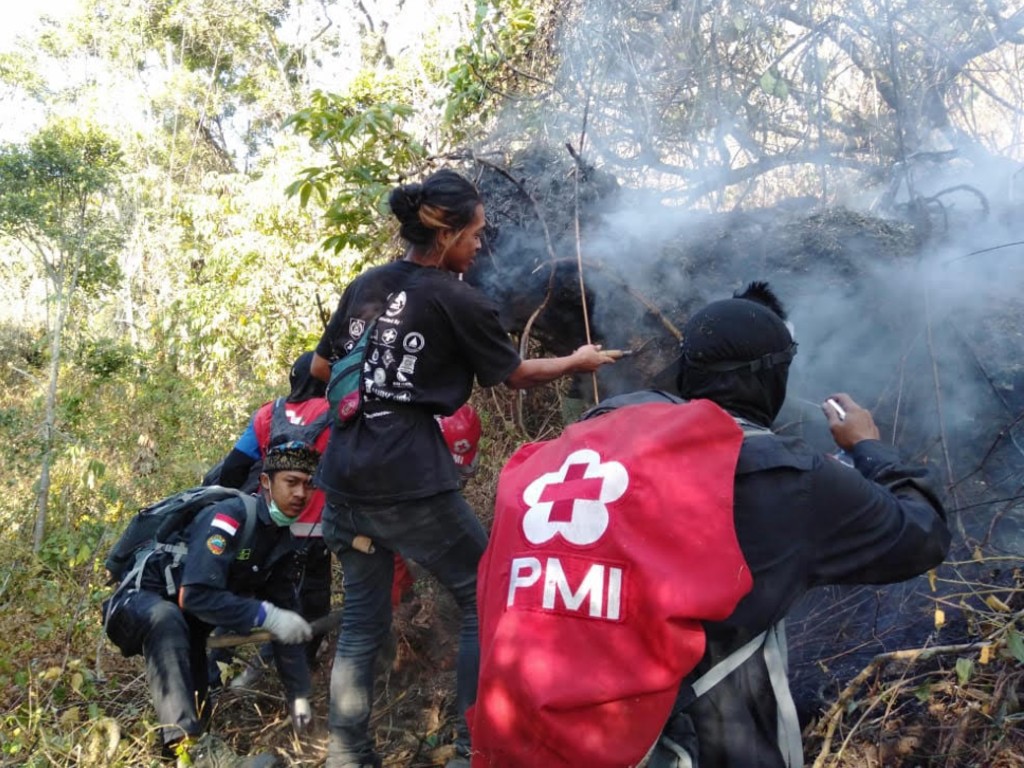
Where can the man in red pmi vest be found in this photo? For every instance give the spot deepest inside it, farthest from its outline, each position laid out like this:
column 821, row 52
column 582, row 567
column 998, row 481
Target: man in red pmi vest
column 640, row 566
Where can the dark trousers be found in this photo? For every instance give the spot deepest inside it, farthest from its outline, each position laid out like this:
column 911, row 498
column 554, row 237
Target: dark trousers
column 174, row 647
column 442, row 534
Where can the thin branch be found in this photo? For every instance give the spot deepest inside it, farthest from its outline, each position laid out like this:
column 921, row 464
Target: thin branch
column 647, row 303
column 524, row 339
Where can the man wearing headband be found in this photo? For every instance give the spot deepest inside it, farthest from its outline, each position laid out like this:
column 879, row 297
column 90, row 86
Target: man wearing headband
column 301, row 415
column 218, row 581
column 802, row 519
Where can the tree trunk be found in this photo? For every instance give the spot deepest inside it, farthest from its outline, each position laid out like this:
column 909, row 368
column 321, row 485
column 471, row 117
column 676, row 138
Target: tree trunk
column 43, row 496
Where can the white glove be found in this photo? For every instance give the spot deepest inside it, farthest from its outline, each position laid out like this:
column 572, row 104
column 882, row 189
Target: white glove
column 286, row 626
column 301, row 714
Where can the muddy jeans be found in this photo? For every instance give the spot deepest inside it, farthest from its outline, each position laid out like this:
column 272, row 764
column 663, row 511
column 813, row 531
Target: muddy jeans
column 442, row 534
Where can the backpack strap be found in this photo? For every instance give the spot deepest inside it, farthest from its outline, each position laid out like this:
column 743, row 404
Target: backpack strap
column 278, row 420
column 727, row 666
column 750, row 429
column 280, row 426
column 249, row 526
column 773, row 643
column 788, row 738
column 679, row 756
column 179, row 549
column 776, row 658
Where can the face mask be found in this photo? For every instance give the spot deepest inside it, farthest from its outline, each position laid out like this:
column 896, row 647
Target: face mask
column 279, row 517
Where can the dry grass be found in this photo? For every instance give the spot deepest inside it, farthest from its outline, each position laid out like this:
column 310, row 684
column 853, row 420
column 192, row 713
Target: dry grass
column 948, row 706
column 81, row 704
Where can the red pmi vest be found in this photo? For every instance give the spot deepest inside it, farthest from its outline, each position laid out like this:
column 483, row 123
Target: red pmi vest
column 610, row 544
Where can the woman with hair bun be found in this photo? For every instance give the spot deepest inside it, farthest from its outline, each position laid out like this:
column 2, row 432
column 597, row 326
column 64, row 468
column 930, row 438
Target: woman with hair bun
column 388, row 474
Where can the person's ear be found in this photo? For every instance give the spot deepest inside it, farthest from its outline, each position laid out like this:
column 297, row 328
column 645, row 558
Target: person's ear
column 444, row 238
column 265, row 481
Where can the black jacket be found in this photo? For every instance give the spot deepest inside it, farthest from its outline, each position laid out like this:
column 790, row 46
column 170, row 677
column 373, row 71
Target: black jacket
column 222, row 584
column 802, row 519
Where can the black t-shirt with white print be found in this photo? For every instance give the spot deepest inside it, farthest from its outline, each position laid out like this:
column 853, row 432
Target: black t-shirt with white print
column 434, row 336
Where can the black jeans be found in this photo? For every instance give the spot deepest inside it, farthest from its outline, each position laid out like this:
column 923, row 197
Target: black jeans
column 174, row 647
column 442, row 534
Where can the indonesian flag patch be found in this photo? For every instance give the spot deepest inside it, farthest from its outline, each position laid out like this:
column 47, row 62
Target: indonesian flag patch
column 225, row 523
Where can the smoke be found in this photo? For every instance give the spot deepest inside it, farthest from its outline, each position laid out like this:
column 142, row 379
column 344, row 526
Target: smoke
column 889, row 300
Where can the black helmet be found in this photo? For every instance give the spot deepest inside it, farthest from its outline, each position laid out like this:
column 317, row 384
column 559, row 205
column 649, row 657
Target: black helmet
column 304, row 386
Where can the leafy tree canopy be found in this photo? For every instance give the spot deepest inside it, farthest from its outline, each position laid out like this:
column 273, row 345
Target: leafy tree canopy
column 55, row 199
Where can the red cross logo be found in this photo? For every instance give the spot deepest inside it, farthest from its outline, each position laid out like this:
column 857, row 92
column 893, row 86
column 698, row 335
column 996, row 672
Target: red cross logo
column 563, row 495
column 572, row 501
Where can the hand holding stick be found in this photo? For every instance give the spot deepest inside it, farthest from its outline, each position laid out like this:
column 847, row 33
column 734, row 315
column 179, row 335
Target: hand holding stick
column 840, row 411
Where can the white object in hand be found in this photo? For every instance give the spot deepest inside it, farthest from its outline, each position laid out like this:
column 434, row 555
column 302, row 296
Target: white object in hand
column 840, row 411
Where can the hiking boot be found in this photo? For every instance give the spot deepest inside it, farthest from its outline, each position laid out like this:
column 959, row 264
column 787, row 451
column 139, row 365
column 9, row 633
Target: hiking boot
column 366, row 762
column 340, row 756
column 209, row 751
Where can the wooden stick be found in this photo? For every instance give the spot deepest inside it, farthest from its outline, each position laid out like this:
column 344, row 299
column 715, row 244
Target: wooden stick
column 320, row 626
column 950, row 477
column 576, row 219
column 524, row 339
column 579, row 249
column 835, row 713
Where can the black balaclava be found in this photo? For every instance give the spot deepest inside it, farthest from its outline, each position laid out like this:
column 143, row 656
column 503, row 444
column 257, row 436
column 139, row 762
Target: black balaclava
column 737, row 353
column 305, row 386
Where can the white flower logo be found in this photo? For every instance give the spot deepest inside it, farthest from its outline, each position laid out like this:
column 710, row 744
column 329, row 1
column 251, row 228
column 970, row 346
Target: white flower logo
column 572, row 501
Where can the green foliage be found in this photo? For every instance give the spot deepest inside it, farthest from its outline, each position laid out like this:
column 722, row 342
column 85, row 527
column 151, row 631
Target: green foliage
column 370, row 151
column 774, row 85
column 55, row 195
column 18, row 69
column 21, row 346
column 964, row 670
column 484, row 71
column 1015, row 644
column 49, row 689
column 105, row 356
column 230, row 72
column 247, row 281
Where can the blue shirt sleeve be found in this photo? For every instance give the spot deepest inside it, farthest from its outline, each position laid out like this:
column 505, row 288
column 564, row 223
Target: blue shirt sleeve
column 247, row 443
